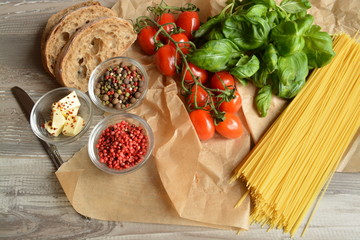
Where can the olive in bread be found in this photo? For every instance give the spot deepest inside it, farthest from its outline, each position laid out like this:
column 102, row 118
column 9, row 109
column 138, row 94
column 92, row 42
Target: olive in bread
column 55, row 19
column 90, row 45
column 66, row 27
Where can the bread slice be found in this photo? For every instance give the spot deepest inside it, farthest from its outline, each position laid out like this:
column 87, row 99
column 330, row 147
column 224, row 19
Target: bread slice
column 90, row 45
column 67, row 26
column 55, row 19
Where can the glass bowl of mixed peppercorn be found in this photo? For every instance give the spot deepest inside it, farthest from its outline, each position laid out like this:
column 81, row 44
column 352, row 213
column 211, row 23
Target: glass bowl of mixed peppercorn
column 118, row 84
column 121, row 143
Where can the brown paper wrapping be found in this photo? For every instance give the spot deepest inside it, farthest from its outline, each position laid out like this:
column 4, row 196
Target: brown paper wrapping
column 186, row 181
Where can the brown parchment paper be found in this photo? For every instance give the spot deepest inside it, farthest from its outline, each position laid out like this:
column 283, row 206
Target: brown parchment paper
column 186, row 181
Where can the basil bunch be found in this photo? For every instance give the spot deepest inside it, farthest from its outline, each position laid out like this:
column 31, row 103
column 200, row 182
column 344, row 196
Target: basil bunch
column 274, row 46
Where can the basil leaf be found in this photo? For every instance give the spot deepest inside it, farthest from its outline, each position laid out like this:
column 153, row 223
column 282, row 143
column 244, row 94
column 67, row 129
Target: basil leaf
column 318, row 47
column 270, row 57
column 260, row 78
column 268, row 3
column 288, row 36
column 263, row 100
column 247, row 32
column 272, row 17
column 258, row 10
column 215, row 34
column 295, row 16
column 207, row 26
column 291, row 74
column 295, row 6
column 304, row 23
column 291, row 90
column 246, row 67
column 215, row 55
column 281, row 15
column 240, row 5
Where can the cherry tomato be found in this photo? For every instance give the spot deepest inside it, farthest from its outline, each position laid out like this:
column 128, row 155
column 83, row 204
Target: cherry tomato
column 146, row 39
column 164, row 19
column 221, row 79
column 198, row 72
column 233, row 106
column 165, row 60
column 188, row 21
column 181, row 37
column 203, row 124
column 202, row 96
column 231, row 127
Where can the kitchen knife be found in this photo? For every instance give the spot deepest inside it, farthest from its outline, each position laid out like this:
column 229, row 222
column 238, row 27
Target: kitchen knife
column 26, row 103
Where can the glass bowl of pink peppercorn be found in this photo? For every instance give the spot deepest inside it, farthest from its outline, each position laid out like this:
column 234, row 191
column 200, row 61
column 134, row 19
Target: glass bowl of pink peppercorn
column 121, row 143
column 118, row 84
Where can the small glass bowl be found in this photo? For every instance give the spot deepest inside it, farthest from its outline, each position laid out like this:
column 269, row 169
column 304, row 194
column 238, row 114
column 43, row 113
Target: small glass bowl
column 41, row 113
column 99, row 72
column 109, row 121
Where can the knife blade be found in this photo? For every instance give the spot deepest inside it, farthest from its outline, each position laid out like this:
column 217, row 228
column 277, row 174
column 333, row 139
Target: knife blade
column 26, row 103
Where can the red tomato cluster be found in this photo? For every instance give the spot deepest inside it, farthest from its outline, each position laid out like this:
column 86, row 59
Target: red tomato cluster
column 211, row 110
column 166, row 57
column 231, row 127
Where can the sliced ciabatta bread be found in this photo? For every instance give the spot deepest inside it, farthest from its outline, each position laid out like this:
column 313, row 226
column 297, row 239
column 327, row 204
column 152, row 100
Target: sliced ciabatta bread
column 66, row 27
column 55, row 18
column 90, row 45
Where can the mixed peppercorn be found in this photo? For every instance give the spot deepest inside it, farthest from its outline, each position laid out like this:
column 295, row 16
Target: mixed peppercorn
column 120, row 86
column 122, row 145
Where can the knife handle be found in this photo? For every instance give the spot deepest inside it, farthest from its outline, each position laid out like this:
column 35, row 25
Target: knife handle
column 53, row 154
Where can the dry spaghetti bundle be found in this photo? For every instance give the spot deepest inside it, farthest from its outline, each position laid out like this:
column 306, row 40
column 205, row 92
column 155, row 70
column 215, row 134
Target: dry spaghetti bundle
column 293, row 161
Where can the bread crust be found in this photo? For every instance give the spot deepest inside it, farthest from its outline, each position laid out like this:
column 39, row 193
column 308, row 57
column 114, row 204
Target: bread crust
column 55, row 18
column 90, row 45
column 66, row 27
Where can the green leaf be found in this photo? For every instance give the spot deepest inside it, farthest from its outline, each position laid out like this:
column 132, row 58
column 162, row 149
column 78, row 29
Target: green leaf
column 263, row 100
column 270, row 57
column 268, row 3
column 215, row 55
column 281, row 15
column 318, row 47
column 258, row 10
column 272, row 17
column 304, row 23
column 240, row 4
column 286, row 38
column 247, row 32
column 215, row 34
column 246, row 67
column 295, row 16
column 291, row 75
column 260, row 78
column 295, row 6
column 207, row 26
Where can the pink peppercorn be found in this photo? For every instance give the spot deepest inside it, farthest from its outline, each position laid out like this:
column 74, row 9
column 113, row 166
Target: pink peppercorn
column 122, row 145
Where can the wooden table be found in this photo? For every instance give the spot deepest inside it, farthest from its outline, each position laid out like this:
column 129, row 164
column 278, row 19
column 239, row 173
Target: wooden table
column 32, row 202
